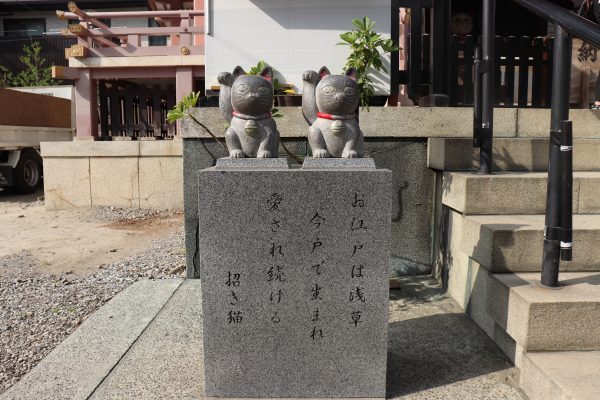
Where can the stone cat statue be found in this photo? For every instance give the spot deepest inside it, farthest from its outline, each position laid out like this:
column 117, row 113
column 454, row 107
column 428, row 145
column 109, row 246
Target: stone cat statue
column 329, row 105
column 245, row 102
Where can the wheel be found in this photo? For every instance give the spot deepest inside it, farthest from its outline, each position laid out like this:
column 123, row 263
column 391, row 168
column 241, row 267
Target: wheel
column 28, row 172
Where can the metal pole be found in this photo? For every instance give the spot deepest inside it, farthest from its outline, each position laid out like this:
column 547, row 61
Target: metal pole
column 566, row 215
column 487, row 87
column 394, row 56
column 477, row 99
column 561, row 78
column 441, row 47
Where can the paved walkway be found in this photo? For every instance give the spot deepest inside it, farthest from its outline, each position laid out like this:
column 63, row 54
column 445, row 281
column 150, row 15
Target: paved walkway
column 147, row 344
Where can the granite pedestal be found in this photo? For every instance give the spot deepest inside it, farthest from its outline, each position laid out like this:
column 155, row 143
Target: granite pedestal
column 294, row 271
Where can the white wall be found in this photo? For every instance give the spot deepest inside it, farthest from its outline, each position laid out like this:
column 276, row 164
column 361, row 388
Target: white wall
column 292, row 36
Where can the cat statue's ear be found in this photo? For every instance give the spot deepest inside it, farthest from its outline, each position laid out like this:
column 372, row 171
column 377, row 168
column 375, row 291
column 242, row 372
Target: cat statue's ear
column 238, row 71
column 323, row 72
column 267, row 73
column 225, row 80
column 309, row 99
column 351, row 73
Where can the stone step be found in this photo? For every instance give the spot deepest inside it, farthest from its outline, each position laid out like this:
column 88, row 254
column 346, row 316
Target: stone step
column 514, row 192
column 509, row 154
column 541, row 319
column 513, row 243
column 567, row 375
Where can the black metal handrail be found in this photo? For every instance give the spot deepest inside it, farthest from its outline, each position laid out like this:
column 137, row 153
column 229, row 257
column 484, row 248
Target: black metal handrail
column 559, row 210
column 569, row 21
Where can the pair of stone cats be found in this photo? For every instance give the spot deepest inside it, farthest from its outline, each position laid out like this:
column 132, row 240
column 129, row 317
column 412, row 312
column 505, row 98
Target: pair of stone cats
column 329, row 104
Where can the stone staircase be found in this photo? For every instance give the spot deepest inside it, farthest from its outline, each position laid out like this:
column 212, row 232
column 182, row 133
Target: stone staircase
column 492, row 231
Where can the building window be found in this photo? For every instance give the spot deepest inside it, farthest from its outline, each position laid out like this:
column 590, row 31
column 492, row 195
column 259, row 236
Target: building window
column 155, row 40
column 24, row 27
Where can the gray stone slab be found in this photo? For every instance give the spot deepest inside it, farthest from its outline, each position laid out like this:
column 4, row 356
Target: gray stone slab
column 539, row 319
column 338, row 163
column 412, row 196
column 197, row 154
column 563, row 375
column 261, row 334
column 166, row 361
column 509, row 154
column 75, row 368
column 228, row 163
column 407, row 122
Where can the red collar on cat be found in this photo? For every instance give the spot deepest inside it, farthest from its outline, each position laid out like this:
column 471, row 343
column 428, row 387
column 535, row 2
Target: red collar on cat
column 336, row 117
column 251, row 117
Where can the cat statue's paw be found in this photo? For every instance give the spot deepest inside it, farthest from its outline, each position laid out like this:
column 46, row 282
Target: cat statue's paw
column 310, row 76
column 236, row 154
column 350, row 154
column 263, row 154
column 321, row 154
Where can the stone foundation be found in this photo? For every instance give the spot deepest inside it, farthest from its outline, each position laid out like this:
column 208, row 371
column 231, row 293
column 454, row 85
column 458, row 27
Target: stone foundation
column 131, row 174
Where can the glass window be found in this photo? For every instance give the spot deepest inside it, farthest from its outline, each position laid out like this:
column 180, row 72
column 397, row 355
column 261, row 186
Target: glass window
column 155, row 40
column 24, row 27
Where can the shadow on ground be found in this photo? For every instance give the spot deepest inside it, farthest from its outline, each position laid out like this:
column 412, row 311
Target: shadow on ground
column 9, row 196
column 436, row 351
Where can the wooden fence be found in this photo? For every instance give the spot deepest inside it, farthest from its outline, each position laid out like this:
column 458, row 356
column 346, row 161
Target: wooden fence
column 137, row 111
column 523, row 71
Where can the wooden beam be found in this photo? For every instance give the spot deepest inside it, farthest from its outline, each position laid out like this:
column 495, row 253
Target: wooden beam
column 153, row 31
column 78, row 30
column 76, row 51
column 132, row 51
column 73, row 8
column 60, row 72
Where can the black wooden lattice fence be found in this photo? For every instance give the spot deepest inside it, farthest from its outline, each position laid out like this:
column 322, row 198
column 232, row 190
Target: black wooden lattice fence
column 132, row 110
column 523, row 71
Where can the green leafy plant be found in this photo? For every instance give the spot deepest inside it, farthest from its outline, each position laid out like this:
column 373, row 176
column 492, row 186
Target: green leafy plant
column 5, row 77
column 367, row 47
column 35, row 72
column 183, row 110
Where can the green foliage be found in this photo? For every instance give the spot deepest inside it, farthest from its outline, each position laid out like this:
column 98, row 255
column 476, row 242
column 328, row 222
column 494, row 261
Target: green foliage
column 35, row 72
column 182, row 108
column 257, row 68
column 5, row 77
column 367, row 47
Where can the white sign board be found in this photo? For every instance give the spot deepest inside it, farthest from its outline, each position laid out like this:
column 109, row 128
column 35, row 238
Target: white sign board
column 290, row 35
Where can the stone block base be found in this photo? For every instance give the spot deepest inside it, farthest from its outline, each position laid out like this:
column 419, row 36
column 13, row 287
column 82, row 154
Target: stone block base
column 294, row 266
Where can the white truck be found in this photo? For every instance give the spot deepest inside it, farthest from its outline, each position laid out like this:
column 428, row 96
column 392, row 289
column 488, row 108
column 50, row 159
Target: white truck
column 20, row 159
column 25, row 121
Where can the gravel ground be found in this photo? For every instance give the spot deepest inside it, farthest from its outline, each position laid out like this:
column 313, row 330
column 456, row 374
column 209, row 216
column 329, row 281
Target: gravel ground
column 37, row 312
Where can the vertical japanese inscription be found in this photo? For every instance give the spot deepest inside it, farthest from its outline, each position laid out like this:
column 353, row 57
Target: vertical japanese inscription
column 274, row 273
column 234, row 315
column 316, row 296
column 358, row 228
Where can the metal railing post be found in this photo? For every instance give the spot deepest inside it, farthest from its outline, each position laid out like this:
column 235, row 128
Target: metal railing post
column 566, row 213
column 477, row 98
column 561, row 78
column 487, row 87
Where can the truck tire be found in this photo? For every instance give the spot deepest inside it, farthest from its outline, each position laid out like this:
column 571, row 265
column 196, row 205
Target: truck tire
column 28, row 172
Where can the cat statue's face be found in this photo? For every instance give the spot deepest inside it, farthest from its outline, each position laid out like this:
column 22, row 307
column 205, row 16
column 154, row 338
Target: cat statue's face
column 337, row 94
column 252, row 94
